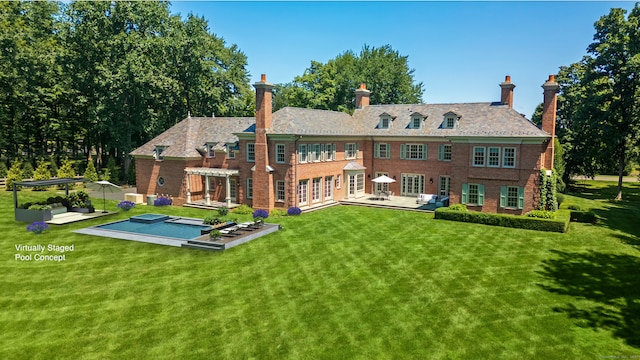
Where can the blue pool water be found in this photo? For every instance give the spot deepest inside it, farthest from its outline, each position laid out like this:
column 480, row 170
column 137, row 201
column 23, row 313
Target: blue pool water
column 158, row 228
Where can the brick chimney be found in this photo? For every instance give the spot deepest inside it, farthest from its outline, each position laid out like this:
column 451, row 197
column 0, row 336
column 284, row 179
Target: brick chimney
column 362, row 96
column 506, row 96
column 549, row 107
column 263, row 195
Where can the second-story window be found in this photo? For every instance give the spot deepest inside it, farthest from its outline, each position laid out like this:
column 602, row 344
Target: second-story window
column 251, row 152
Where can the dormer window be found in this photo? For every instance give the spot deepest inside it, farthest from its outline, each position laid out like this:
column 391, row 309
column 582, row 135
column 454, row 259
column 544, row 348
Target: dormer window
column 450, row 121
column 157, row 152
column 210, row 149
column 231, row 149
column 416, row 120
column 385, row 121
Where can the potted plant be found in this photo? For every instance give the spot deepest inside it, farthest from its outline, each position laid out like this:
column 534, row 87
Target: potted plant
column 215, row 235
column 126, row 205
column 259, row 216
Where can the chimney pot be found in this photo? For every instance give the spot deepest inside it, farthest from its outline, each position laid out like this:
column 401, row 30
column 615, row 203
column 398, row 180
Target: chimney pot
column 552, row 78
column 507, row 79
column 506, row 95
column 263, row 78
column 363, row 86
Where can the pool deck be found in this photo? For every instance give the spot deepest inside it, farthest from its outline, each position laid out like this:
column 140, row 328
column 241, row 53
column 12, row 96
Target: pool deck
column 201, row 242
column 71, row 217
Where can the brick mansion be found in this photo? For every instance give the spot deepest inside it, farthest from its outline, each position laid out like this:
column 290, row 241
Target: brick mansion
column 485, row 155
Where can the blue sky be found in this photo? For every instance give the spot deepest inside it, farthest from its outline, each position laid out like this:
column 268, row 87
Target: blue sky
column 460, row 51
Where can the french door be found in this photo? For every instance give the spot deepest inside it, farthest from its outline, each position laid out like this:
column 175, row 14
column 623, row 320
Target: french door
column 411, row 184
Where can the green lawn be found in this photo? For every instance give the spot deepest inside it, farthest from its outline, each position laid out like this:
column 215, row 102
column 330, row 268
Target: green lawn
column 341, row 283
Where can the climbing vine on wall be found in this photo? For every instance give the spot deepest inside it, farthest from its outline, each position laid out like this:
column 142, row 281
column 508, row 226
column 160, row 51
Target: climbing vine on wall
column 548, row 200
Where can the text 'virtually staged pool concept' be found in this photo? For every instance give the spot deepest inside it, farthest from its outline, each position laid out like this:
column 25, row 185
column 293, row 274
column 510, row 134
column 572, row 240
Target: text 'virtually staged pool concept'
column 37, row 252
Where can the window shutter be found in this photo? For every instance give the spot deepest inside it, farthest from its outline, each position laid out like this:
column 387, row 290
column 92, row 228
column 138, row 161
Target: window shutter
column 521, row 198
column 503, row 196
column 357, row 149
column 440, row 152
column 388, row 151
column 333, row 151
column 424, row 152
column 322, row 152
column 465, row 192
column 480, row 194
column 402, row 150
column 377, row 150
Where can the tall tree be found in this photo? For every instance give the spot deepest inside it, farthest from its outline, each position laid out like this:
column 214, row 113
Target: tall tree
column 332, row 85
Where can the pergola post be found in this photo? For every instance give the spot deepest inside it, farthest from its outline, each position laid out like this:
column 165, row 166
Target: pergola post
column 188, row 188
column 228, row 191
column 15, row 196
column 207, row 197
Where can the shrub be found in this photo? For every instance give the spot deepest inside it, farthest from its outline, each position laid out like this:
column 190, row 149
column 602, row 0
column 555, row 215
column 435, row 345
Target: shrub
column 27, row 170
column 42, row 173
column 574, row 207
column 260, row 213
column 37, row 227
column 243, row 210
column 66, row 171
column 223, row 211
column 504, row 220
column 126, row 205
column 162, row 201
column 14, row 175
column 215, row 234
column 294, row 211
column 458, row 207
column 559, row 197
column 212, row 220
column 39, row 207
column 278, row 213
column 541, row 214
column 90, row 174
column 3, row 169
column 584, row 217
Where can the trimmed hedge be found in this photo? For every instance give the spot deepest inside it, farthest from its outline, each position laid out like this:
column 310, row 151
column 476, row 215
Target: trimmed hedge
column 504, row 220
column 584, row 217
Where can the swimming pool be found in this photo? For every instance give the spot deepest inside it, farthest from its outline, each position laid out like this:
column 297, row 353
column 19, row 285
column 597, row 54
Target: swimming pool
column 157, row 225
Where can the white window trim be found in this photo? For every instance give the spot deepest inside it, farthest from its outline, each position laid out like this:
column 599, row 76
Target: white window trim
column 251, row 152
column 301, row 152
column 514, row 157
column 249, row 188
column 284, row 153
column 413, row 123
column 284, row 191
column 484, row 156
column 488, row 156
column 157, row 152
column 355, row 150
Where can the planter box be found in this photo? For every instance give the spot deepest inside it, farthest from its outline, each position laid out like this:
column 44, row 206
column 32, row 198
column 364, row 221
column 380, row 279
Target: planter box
column 26, row 215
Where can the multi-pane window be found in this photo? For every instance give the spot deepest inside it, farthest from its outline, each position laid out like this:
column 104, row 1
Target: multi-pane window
column 338, row 182
column 330, row 152
column 303, row 192
column 444, row 183
column 280, row 190
column 249, row 188
column 416, row 123
column 350, row 150
column 512, row 197
column 479, row 156
column 509, row 157
column 382, row 151
column 231, row 150
column 316, row 189
column 317, row 153
column 303, row 155
column 328, row 187
column 251, row 152
column 385, row 123
column 450, row 122
column 472, row 194
column 413, row 151
column 280, row 153
column 493, row 158
column 444, row 152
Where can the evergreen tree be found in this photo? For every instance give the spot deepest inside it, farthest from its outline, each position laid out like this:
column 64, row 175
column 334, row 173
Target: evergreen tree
column 27, row 170
column 66, row 171
column 90, row 174
column 14, row 175
column 41, row 173
column 3, row 169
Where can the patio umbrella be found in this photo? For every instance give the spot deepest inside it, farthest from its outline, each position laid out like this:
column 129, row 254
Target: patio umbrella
column 105, row 186
column 382, row 179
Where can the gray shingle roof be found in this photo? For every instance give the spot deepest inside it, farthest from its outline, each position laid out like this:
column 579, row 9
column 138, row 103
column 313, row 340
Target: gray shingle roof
column 189, row 135
column 475, row 119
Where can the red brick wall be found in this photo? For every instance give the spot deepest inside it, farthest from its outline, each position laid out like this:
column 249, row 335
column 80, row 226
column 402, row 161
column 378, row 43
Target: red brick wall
column 148, row 171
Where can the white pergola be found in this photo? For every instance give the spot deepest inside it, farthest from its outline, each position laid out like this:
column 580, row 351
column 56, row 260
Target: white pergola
column 211, row 172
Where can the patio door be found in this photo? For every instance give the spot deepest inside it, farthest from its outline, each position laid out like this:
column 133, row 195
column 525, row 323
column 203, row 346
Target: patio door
column 233, row 190
column 443, row 185
column 382, row 187
column 355, row 184
column 411, row 184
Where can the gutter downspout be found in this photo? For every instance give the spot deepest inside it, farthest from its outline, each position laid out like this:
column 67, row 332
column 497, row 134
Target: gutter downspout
column 295, row 171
